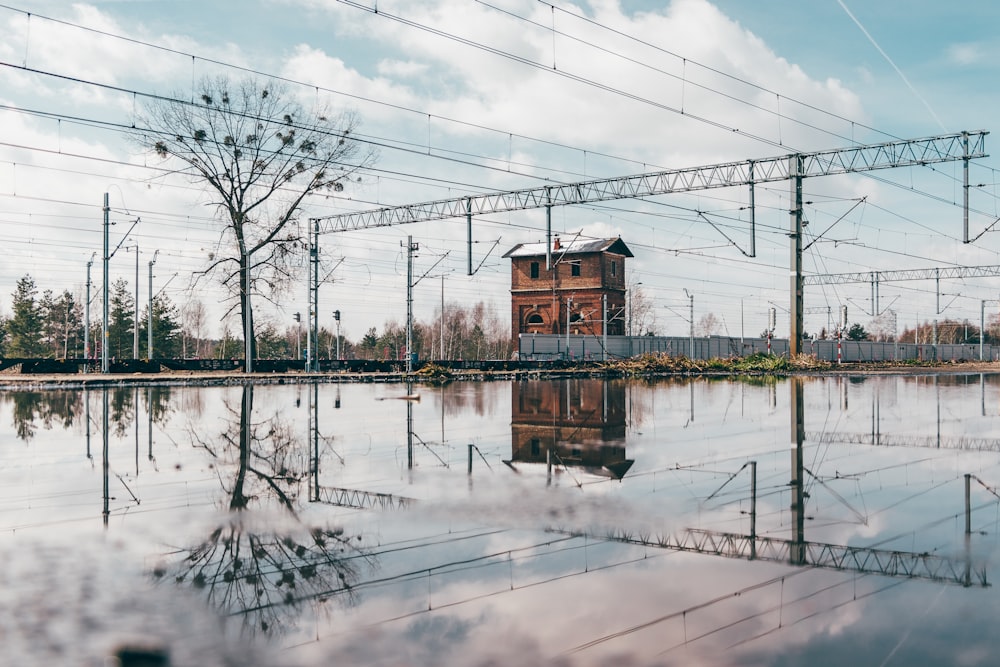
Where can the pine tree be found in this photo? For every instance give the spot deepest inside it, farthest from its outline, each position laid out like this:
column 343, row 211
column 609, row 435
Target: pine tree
column 24, row 329
column 167, row 330
column 122, row 321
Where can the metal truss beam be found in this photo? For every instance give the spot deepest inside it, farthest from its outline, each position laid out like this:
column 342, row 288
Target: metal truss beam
column 905, row 274
column 865, row 560
column 903, row 153
column 360, row 499
column 883, row 440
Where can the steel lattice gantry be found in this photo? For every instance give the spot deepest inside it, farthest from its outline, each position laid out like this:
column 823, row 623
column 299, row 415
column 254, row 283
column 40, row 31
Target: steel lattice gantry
column 903, row 274
column 884, row 562
column 913, row 152
column 792, row 167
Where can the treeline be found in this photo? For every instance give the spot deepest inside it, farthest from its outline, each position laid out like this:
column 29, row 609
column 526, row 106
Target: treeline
column 47, row 325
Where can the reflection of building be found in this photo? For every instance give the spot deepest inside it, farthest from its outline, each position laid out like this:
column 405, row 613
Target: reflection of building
column 585, row 278
column 579, row 423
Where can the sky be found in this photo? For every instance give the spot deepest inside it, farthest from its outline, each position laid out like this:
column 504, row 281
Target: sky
column 472, row 97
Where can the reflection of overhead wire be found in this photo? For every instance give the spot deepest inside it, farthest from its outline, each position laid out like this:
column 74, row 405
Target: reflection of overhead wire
column 817, row 613
column 779, row 607
column 683, row 612
column 559, row 577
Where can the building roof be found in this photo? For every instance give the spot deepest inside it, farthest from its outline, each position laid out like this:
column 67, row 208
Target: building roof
column 578, row 247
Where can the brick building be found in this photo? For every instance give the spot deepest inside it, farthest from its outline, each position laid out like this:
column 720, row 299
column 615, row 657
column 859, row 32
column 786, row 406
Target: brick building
column 572, row 292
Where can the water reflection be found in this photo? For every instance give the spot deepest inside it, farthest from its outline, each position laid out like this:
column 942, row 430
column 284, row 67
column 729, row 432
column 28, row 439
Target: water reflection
column 577, row 423
column 747, row 524
column 265, row 568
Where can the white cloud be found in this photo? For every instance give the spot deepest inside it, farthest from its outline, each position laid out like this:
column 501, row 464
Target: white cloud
column 966, row 53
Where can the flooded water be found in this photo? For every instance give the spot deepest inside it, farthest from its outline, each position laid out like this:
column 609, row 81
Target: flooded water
column 819, row 521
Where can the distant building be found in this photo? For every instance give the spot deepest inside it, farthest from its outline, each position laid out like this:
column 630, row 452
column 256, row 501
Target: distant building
column 572, row 292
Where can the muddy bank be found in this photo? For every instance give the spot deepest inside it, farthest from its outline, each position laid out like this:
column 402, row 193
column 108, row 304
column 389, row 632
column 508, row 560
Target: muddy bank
column 18, row 381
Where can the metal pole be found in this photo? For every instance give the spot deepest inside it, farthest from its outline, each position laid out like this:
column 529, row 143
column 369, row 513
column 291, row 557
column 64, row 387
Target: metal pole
column 968, row 504
column 982, row 326
column 753, row 216
column 107, row 259
column 965, row 187
column 410, row 247
column 149, row 323
column 569, row 309
column 314, row 322
column 135, row 319
column 795, row 169
column 690, row 297
column 604, row 327
column 630, row 311
column 86, row 314
column 691, row 328
column 442, row 317
column 468, row 227
column 247, row 314
column 937, row 310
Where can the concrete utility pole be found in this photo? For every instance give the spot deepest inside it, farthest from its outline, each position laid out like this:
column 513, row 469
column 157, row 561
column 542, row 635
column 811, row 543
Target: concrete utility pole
column 86, row 313
column 149, row 314
column 795, row 169
column 690, row 323
column 411, row 248
column 604, row 327
column 105, row 366
column 247, row 324
column 336, row 317
column 135, row 318
column 314, row 320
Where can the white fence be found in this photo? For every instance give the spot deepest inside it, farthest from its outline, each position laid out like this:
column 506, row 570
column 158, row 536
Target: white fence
column 549, row 346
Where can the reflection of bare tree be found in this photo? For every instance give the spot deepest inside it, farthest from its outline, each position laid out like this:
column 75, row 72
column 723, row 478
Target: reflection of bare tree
column 264, row 568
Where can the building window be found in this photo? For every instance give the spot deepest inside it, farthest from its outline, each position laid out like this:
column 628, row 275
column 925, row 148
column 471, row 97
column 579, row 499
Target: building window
column 534, row 269
column 535, row 318
column 575, row 317
column 614, row 268
column 536, row 447
column 574, row 268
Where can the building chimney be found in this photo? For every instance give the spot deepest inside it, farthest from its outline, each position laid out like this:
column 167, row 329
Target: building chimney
column 555, row 244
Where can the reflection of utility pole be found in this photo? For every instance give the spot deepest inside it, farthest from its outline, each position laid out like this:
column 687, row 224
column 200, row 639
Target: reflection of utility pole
column 86, row 401
column 797, row 551
column 753, row 509
column 314, row 419
column 149, row 425
column 409, row 427
column 106, row 463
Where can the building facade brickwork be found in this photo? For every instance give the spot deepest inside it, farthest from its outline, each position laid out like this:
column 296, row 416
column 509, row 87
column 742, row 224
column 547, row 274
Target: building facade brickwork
column 572, row 291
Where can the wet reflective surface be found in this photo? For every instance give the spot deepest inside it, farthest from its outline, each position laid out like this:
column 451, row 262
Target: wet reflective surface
column 820, row 521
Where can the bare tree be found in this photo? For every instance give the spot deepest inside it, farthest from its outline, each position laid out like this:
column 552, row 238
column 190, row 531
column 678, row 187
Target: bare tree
column 708, row 325
column 193, row 322
column 260, row 153
column 643, row 315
